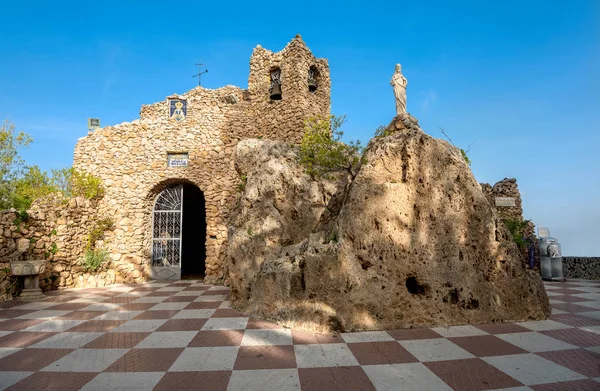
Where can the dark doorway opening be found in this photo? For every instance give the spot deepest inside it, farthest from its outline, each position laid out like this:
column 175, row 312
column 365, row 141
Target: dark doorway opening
column 193, row 240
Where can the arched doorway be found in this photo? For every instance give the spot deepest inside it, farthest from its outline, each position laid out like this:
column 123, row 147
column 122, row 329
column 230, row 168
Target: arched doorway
column 179, row 233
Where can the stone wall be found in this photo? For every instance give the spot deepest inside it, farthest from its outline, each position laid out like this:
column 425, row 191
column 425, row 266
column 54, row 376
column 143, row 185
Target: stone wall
column 57, row 230
column 131, row 158
column 505, row 188
column 585, row 268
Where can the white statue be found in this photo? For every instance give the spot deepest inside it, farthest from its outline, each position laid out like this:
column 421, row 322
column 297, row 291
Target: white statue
column 399, row 83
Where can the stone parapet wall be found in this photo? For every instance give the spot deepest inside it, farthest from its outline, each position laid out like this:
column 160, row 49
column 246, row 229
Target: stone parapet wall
column 131, row 158
column 57, row 230
column 585, row 268
column 505, row 188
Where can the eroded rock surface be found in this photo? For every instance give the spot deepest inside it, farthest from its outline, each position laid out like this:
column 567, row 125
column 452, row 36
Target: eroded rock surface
column 412, row 241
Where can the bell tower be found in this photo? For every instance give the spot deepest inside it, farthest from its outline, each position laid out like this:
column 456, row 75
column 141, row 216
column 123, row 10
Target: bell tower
column 286, row 88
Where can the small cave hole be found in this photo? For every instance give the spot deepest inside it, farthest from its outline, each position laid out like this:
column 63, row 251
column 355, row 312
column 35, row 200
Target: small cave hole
column 413, row 286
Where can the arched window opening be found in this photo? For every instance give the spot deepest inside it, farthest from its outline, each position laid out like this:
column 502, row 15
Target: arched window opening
column 275, row 89
column 313, row 75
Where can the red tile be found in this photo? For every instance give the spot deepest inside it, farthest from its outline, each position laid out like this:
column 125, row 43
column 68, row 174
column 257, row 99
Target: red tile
column 160, row 294
column 502, row 328
column 578, row 360
column 182, row 325
column 408, row 334
column 571, row 307
column 68, row 306
column 22, row 339
column 19, row 324
column 374, row 353
column 256, row 323
column 575, row 320
column 197, row 288
column 117, row 340
column 227, row 313
column 206, row 338
column 334, row 379
column 265, row 357
column 471, row 374
column 54, row 381
column 304, row 338
column 160, row 314
column 97, row 325
column 575, row 336
column 121, row 299
column 216, row 292
column 203, row 305
column 570, row 298
column 486, row 345
column 180, row 299
column 135, row 307
column 14, row 313
column 578, row 385
column 209, row 380
column 31, row 359
column 146, row 360
column 10, row 303
column 80, row 315
column 566, row 291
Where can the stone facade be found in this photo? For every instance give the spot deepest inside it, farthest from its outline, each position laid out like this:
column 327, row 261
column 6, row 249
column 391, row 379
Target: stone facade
column 56, row 230
column 585, row 268
column 131, row 158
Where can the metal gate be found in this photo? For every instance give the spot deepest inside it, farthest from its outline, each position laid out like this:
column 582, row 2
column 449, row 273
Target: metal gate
column 166, row 234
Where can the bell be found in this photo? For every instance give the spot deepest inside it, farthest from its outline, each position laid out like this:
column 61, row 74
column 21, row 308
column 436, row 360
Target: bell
column 276, row 91
column 312, row 85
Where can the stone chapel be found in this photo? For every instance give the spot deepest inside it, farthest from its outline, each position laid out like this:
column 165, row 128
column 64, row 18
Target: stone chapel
column 169, row 175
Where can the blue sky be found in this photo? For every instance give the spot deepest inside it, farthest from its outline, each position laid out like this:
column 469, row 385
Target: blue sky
column 521, row 78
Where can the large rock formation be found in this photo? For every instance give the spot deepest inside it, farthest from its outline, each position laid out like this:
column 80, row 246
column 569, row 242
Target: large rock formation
column 411, row 241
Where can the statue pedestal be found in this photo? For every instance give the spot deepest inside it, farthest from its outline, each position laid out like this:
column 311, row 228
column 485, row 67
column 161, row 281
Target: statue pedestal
column 30, row 270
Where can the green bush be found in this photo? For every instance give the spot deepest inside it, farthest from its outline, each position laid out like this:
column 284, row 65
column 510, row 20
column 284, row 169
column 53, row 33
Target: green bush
column 383, row 131
column 93, row 259
column 517, row 229
column 97, row 232
column 322, row 152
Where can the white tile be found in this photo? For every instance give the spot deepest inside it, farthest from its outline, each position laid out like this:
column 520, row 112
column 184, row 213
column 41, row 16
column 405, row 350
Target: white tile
column 531, row 369
column 367, row 336
column 130, row 381
column 590, row 314
column 437, row 349
column 194, row 314
column 8, row 351
column 225, row 324
column 118, row 315
column 188, row 293
column 588, row 296
column 42, row 305
column 552, row 301
column 265, row 380
column 267, row 337
column 167, row 339
column 544, row 325
column 102, row 307
column 55, row 325
column 86, row 360
column 588, row 289
column 212, row 298
column 120, row 288
column 535, row 342
column 410, row 377
column 590, row 304
column 550, row 293
column 459, row 331
column 133, row 294
column 147, row 325
column 5, row 332
column 206, row 359
column 225, row 304
column 169, row 306
column 153, row 284
column 324, row 355
column 67, row 340
column 150, row 299
column 171, row 289
column 88, row 300
column 592, row 329
column 7, row 379
column 218, row 288
column 43, row 314
column 594, row 349
column 198, row 285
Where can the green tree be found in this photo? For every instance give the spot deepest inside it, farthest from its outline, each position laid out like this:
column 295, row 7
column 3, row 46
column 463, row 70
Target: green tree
column 322, row 152
column 11, row 163
column 33, row 184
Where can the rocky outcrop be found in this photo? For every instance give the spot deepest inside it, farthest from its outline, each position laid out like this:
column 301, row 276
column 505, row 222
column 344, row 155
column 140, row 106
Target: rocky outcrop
column 412, row 241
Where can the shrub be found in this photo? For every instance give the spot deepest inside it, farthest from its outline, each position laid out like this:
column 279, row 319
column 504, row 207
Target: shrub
column 383, row 131
column 322, row 152
column 97, row 232
column 93, row 259
column 75, row 183
column 517, row 229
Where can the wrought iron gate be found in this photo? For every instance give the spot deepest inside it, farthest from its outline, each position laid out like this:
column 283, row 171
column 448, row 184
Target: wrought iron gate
column 166, row 233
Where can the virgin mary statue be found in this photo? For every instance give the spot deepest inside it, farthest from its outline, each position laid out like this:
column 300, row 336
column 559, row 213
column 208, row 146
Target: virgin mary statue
column 399, row 84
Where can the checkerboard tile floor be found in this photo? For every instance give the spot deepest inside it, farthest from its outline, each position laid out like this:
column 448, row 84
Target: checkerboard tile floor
column 183, row 335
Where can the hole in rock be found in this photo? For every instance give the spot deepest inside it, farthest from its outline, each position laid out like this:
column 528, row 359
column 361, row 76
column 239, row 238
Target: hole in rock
column 413, row 286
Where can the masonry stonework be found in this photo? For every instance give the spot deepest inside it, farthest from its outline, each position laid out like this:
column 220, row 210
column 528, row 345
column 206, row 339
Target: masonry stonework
column 131, row 158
